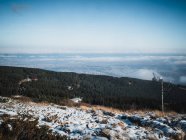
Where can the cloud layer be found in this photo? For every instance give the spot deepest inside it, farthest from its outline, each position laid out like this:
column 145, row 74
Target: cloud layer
column 171, row 67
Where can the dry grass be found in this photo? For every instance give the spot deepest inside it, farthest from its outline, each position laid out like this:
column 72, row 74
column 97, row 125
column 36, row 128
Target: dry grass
column 25, row 130
column 142, row 112
column 107, row 109
column 85, row 106
column 21, row 98
column 69, row 103
column 157, row 113
column 43, row 103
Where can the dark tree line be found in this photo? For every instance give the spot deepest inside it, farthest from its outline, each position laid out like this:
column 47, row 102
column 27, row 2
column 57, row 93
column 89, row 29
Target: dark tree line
column 122, row 93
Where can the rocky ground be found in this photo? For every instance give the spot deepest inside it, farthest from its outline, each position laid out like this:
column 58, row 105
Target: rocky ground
column 79, row 123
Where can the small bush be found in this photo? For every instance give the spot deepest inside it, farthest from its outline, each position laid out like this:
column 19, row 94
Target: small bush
column 26, row 130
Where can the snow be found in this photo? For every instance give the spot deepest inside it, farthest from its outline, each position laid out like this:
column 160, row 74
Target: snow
column 159, row 126
column 1, row 121
column 70, row 87
column 76, row 123
column 17, row 96
column 10, row 127
column 76, row 100
column 183, row 124
column 9, row 112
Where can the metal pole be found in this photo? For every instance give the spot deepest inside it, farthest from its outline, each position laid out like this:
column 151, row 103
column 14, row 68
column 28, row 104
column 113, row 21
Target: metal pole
column 162, row 96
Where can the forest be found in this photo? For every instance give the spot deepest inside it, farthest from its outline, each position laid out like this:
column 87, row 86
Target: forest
column 122, row 93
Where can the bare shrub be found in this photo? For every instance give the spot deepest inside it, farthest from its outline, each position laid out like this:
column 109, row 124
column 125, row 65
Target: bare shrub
column 26, row 130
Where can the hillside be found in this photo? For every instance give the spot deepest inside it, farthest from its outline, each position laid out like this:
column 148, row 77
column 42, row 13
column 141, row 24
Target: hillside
column 21, row 119
column 122, row 93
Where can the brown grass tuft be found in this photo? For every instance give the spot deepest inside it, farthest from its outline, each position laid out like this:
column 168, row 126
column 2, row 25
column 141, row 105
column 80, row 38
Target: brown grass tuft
column 21, row 98
column 43, row 103
column 107, row 109
column 85, row 106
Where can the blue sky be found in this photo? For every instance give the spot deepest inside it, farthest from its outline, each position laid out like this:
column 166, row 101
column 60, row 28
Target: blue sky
column 100, row 26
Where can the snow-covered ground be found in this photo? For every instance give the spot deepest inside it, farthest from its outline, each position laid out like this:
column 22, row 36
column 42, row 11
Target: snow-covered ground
column 77, row 123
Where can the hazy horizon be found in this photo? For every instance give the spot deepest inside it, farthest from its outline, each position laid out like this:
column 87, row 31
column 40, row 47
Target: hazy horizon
column 171, row 67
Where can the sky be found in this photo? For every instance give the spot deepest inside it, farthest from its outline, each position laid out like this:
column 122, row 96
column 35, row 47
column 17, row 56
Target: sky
column 92, row 26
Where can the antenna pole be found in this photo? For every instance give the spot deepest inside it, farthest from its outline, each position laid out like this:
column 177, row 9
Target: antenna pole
column 162, row 96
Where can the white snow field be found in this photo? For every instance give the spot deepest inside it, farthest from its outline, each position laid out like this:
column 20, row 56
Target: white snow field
column 77, row 123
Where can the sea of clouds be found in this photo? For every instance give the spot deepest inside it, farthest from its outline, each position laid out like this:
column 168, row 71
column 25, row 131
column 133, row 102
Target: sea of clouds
column 171, row 67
